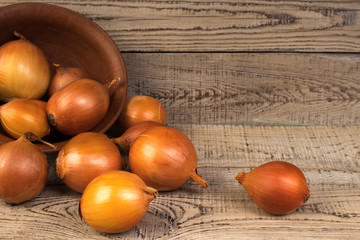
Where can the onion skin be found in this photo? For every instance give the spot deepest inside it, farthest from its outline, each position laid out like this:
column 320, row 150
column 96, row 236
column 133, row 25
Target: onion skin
column 277, row 187
column 129, row 136
column 165, row 159
column 24, row 71
column 86, row 156
column 139, row 109
column 115, row 201
column 21, row 115
column 23, row 171
column 78, row 107
column 64, row 76
column 41, row 103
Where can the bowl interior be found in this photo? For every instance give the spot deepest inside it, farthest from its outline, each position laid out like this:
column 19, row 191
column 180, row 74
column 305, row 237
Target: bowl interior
column 71, row 40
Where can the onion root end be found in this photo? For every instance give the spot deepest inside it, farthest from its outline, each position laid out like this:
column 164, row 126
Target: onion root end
column 51, row 119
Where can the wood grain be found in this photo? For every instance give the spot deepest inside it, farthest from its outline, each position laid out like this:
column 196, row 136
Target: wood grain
column 328, row 156
column 248, row 82
column 250, row 88
column 255, row 25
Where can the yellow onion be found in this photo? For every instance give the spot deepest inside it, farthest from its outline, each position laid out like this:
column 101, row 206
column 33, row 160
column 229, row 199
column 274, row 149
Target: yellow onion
column 78, row 107
column 165, row 159
column 86, row 156
column 277, row 187
column 139, row 109
column 115, row 201
column 23, row 170
column 64, row 76
column 22, row 115
column 39, row 102
column 129, row 136
column 24, row 70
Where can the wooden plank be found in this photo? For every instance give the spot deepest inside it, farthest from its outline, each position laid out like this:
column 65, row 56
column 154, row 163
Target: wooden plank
column 328, row 156
column 250, row 88
column 254, row 25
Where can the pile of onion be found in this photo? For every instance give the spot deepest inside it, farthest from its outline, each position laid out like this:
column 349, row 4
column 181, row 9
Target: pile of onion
column 160, row 158
column 277, row 187
column 164, row 158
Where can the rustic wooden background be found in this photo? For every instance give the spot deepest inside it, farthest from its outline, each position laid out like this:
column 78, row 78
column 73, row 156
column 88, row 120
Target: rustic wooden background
column 248, row 82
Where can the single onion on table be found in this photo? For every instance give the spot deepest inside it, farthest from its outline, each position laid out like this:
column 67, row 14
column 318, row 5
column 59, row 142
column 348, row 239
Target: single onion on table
column 277, row 187
column 165, row 159
column 86, row 156
column 24, row 70
column 115, row 201
column 23, row 169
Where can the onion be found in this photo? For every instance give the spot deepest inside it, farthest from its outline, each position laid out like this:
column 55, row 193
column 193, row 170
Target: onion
column 21, row 115
column 129, row 136
column 23, row 169
column 139, row 109
column 277, row 187
column 41, row 103
column 24, row 70
column 164, row 158
column 86, row 156
column 78, row 107
column 115, row 201
column 64, row 76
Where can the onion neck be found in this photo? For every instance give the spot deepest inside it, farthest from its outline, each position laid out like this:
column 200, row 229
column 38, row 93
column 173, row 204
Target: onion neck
column 198, row 179
column 240, row 177
column 32, row 138
column 152, row 193
column 56, row 65
column 122, row 143
column 111, row 86
column 20, row 36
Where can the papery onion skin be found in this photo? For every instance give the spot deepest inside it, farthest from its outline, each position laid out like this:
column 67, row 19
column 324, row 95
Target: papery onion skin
column 165, row 159
column 22, row 115
column 64, row 76
column 24, row 71
column 86, row 156
column 78, row 107
column 115, row 201
column 139, row 109
column 23, row 171
column 277, row 187
column 129, row 136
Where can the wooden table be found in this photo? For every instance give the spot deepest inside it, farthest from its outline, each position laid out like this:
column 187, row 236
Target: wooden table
column 248, row 82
